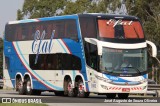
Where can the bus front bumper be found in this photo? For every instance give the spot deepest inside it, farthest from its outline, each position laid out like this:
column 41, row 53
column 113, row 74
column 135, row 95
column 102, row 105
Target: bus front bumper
column 109, row 88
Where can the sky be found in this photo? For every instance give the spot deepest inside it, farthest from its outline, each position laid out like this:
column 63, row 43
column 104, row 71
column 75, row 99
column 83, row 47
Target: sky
column 8, row 12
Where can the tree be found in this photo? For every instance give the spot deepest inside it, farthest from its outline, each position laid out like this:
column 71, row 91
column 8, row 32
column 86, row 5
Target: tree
column 148, row 12
column 40, row 8
column 46, row 8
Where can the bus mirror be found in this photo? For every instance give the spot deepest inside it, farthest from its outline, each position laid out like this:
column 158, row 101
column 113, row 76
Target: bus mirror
column 152, row 48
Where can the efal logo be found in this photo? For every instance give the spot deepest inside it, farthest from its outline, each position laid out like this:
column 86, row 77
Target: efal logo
column 39, row 45
column 118, row 22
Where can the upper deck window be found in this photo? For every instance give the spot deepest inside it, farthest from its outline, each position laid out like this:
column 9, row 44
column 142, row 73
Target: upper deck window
column 88, row 27
column 66, row 28
column 121, row 29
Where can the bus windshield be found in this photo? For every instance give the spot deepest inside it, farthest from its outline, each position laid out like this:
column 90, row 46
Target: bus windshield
column 121, row 29
column 120, row 61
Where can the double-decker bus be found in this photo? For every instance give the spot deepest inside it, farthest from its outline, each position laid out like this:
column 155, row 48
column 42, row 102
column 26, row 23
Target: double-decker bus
column 76, row 55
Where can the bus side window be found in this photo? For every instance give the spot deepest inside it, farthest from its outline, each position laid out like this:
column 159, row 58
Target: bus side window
column 24, row 32
column 71, row 30
column 29, row 35
column 33, row 31
column 10, row 32
column 70, row 62
column 88, row 28
column 59, row 29
column 91, row 55
column 49, row 31
column 18, row 33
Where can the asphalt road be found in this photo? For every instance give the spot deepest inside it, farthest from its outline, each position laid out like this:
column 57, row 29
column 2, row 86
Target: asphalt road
column 93, row 100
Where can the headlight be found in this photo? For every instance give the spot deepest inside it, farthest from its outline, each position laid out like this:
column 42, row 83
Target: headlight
column 143, row 81
column 103, row 79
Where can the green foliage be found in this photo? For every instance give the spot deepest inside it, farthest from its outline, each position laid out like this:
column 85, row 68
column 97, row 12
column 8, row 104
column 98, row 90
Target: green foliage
column 46, row 8
column 149, row 13
column 146, row 10
column 40, row 8
column 79, row 6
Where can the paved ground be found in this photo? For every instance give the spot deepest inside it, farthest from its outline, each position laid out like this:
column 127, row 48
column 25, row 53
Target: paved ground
column 93, row 100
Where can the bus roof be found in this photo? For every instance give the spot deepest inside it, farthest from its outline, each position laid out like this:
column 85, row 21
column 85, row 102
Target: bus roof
column 43, row 19
column 94, row 15
column 109, row 16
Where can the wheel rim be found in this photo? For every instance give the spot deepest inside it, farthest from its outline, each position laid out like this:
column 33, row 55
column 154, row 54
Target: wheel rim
column 28, row 86
column 81, row 88
column 19, row 85
column 69, row 87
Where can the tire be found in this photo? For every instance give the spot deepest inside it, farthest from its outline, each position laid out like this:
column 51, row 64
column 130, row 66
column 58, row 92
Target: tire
column 111, row 95
column 70, row 90
column 123, row 95
column 81, row 91
column 65, row 88
column 29, row 90
column 20, row 87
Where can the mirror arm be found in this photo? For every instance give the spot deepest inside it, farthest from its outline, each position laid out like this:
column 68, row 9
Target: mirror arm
column 154, row 48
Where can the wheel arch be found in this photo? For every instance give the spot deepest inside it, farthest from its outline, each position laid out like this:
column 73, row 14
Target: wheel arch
column 27, row 75
column 67, row 76
column 82, row 78
column 18, row 75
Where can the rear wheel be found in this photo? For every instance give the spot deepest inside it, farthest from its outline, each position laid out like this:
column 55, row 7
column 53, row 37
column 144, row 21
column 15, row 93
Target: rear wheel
column 28, row 88
column 111, row 95
column 81, row 91
column 20, row 87
column 123, row 95
column 68, row 89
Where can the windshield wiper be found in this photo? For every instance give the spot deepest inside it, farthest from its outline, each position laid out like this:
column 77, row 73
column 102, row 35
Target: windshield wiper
column 137, row 70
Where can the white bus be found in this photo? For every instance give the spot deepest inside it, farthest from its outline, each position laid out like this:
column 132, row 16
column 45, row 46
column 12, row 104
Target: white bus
column 76, row 55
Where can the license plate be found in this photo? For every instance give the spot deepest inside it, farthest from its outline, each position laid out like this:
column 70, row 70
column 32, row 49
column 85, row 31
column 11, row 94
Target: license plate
column 125, row 89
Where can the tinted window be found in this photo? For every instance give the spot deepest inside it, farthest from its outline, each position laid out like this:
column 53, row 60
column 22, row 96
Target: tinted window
column 61, row 29
column 10, row 32
column 91, row 54
column 57, row 61
column 88, row 27
column 126, row 29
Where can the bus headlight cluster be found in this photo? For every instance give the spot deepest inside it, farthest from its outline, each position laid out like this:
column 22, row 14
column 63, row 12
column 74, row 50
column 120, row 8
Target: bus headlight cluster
column 144, row 87
column 104, row 87
column 143, row 81
column 103, row 79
